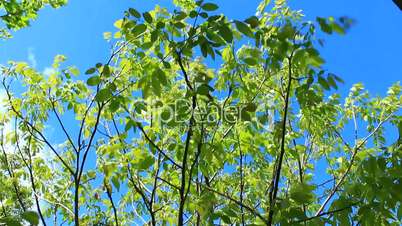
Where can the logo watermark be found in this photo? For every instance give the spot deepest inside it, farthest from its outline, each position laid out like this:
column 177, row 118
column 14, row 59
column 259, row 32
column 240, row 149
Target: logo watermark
column 180, row 111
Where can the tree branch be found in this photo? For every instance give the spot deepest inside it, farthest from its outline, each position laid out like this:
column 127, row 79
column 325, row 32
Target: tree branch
column 187, row 144
column 109, row 195
column 10, row 173
column 30, row 170
column 343, row 177
column 278, row 168
column 18, row 114
column 62, row 126
column 156, row 146
column 324, row 214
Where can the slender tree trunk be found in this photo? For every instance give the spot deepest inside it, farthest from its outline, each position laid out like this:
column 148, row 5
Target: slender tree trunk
column 278, row 167
column 182, row 190
column 76, row 203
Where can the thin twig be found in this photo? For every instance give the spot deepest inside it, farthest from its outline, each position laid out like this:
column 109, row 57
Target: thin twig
column 343, row 177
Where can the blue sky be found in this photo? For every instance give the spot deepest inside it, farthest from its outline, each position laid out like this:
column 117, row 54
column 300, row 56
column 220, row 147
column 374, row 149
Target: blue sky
column 369, row 53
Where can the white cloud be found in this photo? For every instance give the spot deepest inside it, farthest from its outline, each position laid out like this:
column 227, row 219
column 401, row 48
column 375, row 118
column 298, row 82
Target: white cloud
column 48, row 71
column 32, row 57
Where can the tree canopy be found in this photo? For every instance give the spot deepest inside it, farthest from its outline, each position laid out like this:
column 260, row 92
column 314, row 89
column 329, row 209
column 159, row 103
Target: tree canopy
column 18, row 14
column 198, row 119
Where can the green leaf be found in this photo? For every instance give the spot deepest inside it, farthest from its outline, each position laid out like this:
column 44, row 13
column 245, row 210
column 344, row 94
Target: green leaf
column 244, row 28
column 94, row 81
column 179, row 25
column 209, row 7
column 103, row 95
column 337, row 78
column 250, row 107
column 139, row 29
column 118, row 24
column 323, row 83
column 91, row 174
column 156, row 86
column 226, row 33
column 314, row 58
column 129, row 124
column 252, row 21
column 331, row 82
column 31, row 216
column 74, row 71
column 146, row 162
column 114, row 105
column 337, row 28
column 250, row 61
column 134, row 12
column 146, row 45
column 399, row 214
column 294, row 153
column 263, row 4
column 112, row 87
column 286, row 32
column 217, row 39
column 204, row 89
column 204, row 15
column 166, row 65
column 226, row 219
column 160, row 25
column 211, row 51
column 147, row 17
column 90, row 71
column 227, row 54
column 116, row 182
column 10, row 221
column 154, row 36
column 245, row 116
column 180, row 16
column 325, row 27
column 202, row 77
column 106, row 71
column 193, row 14
column 204, row 49
column 108, row 168
column 160, row 75
column 302, row 193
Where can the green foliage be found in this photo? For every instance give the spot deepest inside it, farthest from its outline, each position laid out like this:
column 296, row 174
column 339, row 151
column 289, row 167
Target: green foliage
column 18, row 14
column 160, row 134
column 30, row 217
